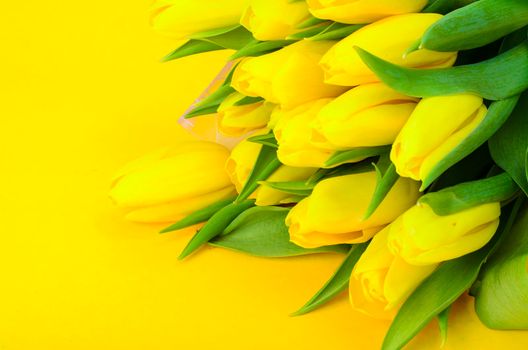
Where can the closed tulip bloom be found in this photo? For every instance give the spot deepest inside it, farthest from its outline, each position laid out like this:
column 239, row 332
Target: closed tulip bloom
column 240, row 164
column 362, row 11
column 382, row 281
column 289, row 77
column 422, row 237
column 389, row 39
column 237, row 120
column 182, row 18
column 436, row 126
column 293, row 133
column 334, row 212
column 172, row 183
column 365, row 116
column 274, row 19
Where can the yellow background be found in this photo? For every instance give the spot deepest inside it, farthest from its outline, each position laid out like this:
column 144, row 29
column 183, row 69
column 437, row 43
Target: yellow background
column 82, row 92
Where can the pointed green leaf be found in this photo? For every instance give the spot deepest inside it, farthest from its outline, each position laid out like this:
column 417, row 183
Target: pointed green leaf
column 509, row 145
column 445, row 6
column 498, row 113
column 192, row 47
column 384, row 183
column 350, row 155
column 440, row 290
column 470, row 194
column 337, row 283
column 336, row 31
column 505, row 75
column 258, row 48
column 502, row 296
column 198, row 216
column 261, row 231
column 234, row 39
column 476, row 25
column 443, row 320
column 265, row 165
column 299, row 188
column 215, row 226
column 248, row 100
column 310, row 22
column 214, row 32
column 210, row 104
column 266, row 139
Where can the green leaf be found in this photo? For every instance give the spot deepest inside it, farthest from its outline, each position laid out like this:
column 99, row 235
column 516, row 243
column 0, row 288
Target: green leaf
column 215, row 226
column 214, row 32
column 210, row 104
column 445, row 6
column 443, row 319
column 502, row 296
column 192, row 47
column 337, row 283
column 336, row 31
column 261, row 231
column 384, row 183
column 298, row 188
column 440, row 290
column 265, row 165
column 258, row 48
column 266, row 139
column 227, row 38
column 498, row 78
column 498, row 113
column 234, row 39
column 198, row 216
column 248, row 100
column 310, row 22
column 476, row 25
column 341, row 157
column 509, row 145
column 470, row 194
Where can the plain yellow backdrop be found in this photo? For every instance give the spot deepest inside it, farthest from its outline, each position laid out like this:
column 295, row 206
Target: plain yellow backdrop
column 81, row 93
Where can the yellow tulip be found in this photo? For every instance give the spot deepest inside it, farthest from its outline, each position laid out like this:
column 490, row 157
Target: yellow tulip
column 334, row 212
column 382, row 281
column 293, row 132
column 236, row 120
column 274, row 19
column 181, row 18
column 365, row 116
column 240, row 164
column 436, row 126
column 389, row 39
column 422, row 237
column 289, row 77
column 362, row 11
column 171, row 183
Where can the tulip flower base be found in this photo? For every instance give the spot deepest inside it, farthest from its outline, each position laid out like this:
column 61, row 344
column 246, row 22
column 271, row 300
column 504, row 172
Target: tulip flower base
column 393, row 133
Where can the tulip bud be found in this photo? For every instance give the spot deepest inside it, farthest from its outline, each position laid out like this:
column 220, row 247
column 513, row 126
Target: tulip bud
column 289, row 77
column 382, row 281
column 366, row 116
column 389, row 38
column 236, row 120
column 292, row 131
column 334, row 212
column 422, row 237
column 241, row 162
column 169, row 184
column 274, row 19
column 362, row 11
column 436, row 126
column 181, row 18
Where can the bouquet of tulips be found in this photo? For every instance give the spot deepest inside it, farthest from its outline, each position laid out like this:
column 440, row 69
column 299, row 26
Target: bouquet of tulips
column 392, row 132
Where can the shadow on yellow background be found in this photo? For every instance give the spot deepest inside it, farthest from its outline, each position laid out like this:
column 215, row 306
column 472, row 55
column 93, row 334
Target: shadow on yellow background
column 82, row 92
